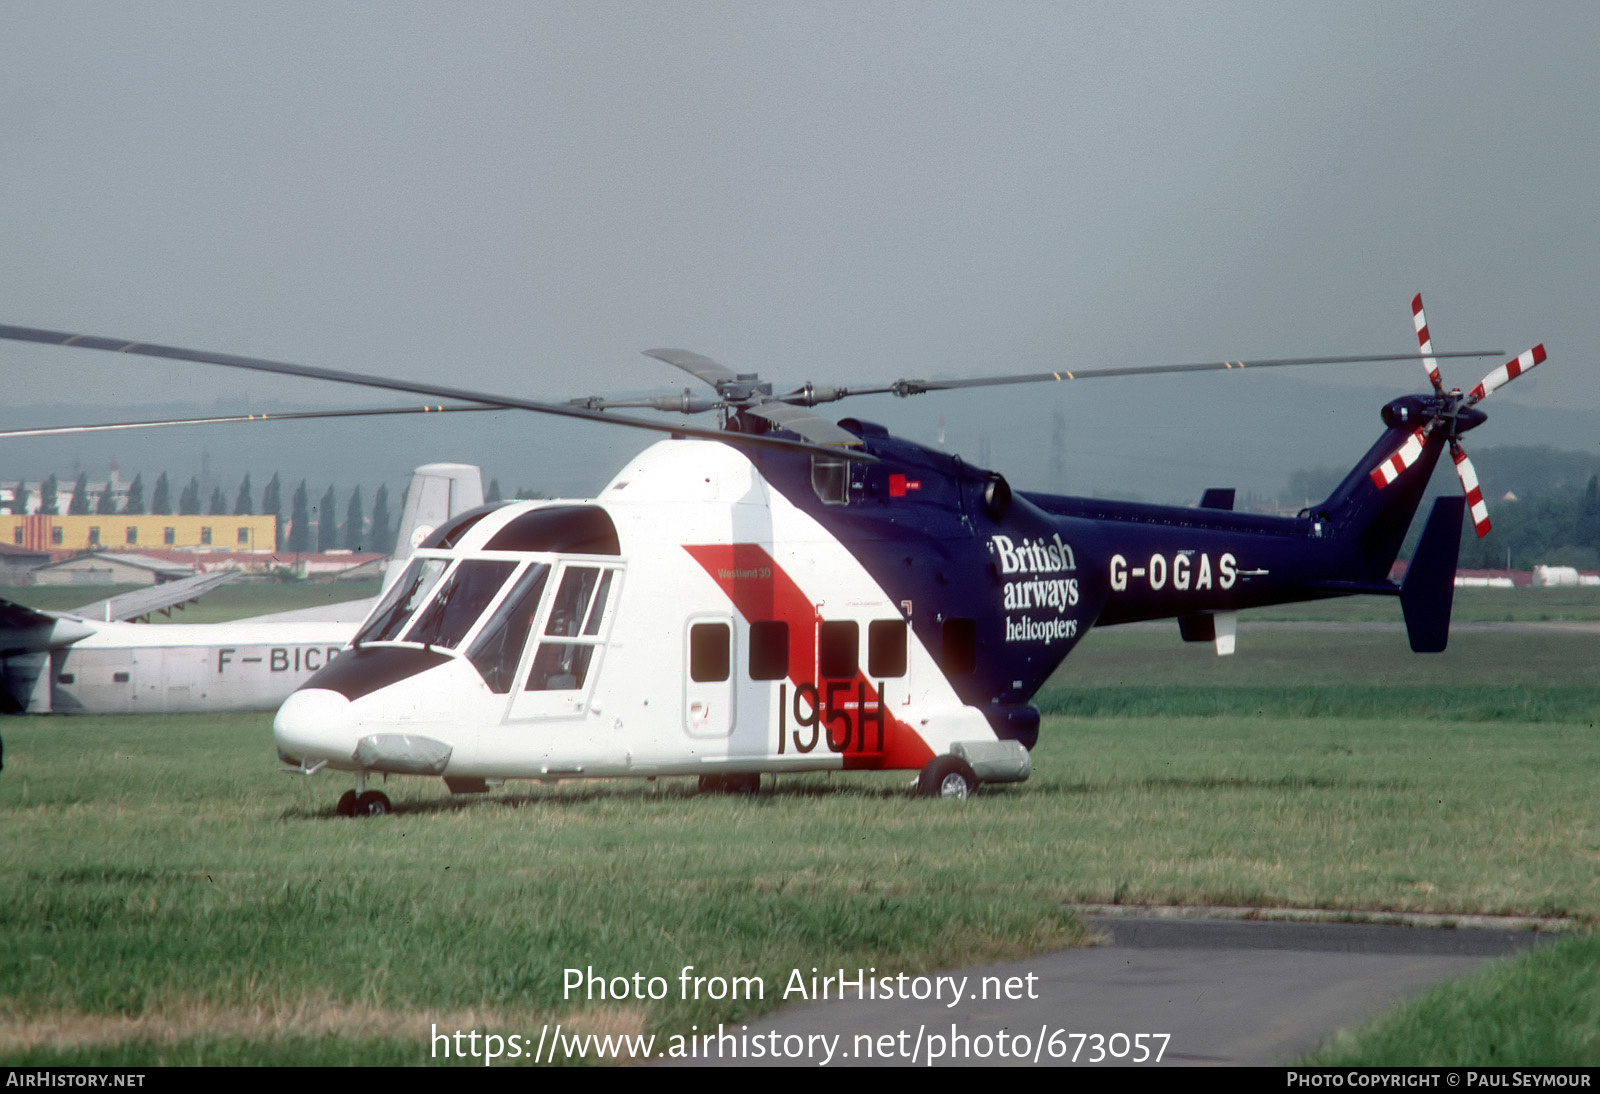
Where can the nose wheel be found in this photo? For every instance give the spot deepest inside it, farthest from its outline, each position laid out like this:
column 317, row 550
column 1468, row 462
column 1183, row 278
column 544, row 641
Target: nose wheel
column 374, row 803
column 362, row 802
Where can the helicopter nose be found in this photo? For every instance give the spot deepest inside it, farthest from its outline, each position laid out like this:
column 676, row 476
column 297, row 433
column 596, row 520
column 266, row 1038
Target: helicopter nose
column 314, row 723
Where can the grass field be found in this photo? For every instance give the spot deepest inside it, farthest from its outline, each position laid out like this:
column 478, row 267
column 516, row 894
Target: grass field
column 169, row 898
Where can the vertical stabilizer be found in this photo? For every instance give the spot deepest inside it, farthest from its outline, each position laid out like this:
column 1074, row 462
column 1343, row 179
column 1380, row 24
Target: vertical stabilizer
column 438, row 491
column 1428, row 591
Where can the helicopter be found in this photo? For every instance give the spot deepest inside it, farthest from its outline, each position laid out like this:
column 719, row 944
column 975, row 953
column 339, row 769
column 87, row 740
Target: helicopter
column 788, row 593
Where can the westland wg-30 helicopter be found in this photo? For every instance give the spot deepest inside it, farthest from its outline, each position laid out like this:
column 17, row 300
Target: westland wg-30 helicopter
column 793, row 594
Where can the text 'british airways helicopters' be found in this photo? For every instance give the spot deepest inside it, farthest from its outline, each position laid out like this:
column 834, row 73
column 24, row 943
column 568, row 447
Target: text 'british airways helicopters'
column 792, row 594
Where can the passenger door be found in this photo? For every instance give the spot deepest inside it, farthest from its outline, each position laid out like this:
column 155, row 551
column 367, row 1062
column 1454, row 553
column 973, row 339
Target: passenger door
column 708, row 684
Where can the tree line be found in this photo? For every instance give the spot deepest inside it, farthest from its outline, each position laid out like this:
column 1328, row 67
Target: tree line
column 1544, row 506
column 1560, row 528
column 308, row 528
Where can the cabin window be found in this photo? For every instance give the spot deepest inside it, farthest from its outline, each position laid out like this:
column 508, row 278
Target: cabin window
column 830, row 478
column 886, row 648
column 66, row 678
column 169, row 536
column 460, row 600
column 244, row 537
column 497, row 650
column 960, row 647
column 133, row 533
column 837, row 645
column 708, row 652
column 404, row 596
column 16, row 535
column 55, row 537
column 572, row 630
column 205, row 536
column 94, row 537
column 769, row 650
column 119, row 678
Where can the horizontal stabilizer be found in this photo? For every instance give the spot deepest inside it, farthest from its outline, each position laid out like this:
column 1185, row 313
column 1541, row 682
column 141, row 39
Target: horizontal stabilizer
column 1218, row 627
column 1428, row 591
column 25, row 630
column 20, row 617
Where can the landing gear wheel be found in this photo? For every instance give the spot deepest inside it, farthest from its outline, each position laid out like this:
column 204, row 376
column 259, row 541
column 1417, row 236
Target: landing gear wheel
column 373, row 803
column 947, row 777
column 730, row 784
column 347, row 804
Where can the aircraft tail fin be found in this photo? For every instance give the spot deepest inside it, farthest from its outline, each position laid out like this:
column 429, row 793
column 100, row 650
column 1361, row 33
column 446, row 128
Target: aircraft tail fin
column 1372, row 516
column 438, row 491
column 1428, row 591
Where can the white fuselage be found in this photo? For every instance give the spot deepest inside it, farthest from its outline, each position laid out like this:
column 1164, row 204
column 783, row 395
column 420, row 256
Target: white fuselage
column 725, row 631
column 137, row 668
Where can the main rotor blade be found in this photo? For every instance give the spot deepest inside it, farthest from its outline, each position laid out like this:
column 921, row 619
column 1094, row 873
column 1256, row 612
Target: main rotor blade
column 817, row 430
column 695, row 364
column 438, row 391
column 109, row 427
column 917, row 387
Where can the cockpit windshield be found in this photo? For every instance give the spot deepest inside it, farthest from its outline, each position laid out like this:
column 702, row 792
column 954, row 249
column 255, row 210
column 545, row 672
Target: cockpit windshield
column 438, row 603
column 433, row 607
column 450, row 613
column 402, row 599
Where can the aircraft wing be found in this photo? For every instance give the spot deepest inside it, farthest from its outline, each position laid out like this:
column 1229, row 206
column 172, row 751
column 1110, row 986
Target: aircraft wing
column 142, row 603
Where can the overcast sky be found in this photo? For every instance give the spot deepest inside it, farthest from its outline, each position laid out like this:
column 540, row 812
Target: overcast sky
column 521, row 196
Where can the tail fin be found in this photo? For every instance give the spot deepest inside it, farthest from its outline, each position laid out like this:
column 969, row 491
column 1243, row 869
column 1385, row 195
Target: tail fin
column 438, row 491
column 1428, row 591
column 1376, row 518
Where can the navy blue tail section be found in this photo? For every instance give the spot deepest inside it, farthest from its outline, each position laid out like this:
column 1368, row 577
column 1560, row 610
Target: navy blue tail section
column 1375, row 519
column 1428, row 590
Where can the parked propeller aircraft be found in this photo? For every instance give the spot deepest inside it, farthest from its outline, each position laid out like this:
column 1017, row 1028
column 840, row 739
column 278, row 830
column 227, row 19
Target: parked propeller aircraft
column 794, row 594
column 93, row 660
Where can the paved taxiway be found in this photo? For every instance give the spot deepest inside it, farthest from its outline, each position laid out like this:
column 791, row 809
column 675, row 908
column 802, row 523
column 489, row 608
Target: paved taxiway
column 1255, row 993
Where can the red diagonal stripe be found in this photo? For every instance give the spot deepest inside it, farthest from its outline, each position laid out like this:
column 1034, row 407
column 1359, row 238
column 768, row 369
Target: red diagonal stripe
column 761, row 590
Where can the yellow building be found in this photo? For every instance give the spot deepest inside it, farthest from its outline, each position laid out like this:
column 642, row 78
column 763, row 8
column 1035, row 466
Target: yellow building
column 129, row 532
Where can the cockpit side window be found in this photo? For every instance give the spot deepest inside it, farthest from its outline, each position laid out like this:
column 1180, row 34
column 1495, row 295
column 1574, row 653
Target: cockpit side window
column 403, row 597
column 460, row 600
column 830, row 478
column 572, row 630
column 498, row 648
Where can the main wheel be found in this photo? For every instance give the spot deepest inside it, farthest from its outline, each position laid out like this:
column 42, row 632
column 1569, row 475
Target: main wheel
column 947, row 777
column 713, row 784
column 746, row 784
column 374, row 803
column 347, row 804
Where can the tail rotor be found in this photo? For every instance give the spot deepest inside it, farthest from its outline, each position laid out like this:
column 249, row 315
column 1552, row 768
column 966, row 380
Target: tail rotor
column 1453, row 413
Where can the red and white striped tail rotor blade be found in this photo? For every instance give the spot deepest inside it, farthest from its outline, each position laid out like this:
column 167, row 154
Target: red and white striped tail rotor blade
column 1425, row 341
column 1401, row 458
column 1469, row 483
column 1506, row 373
